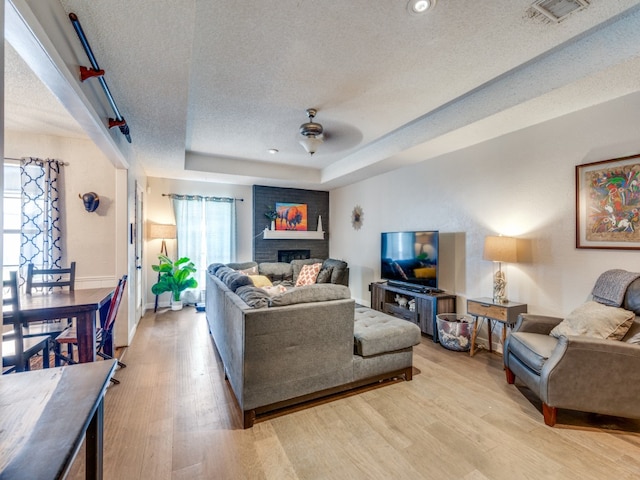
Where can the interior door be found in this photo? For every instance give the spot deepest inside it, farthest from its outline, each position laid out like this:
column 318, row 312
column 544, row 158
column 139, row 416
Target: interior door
column 139, row 245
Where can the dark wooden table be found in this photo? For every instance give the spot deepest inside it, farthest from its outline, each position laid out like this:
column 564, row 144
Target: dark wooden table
column 81, row 304
column 46, row 414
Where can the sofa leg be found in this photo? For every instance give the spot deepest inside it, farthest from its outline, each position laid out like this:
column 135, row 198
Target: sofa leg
column 408, row 374
column 511, row 377
column 550, row 414
column 249, row 417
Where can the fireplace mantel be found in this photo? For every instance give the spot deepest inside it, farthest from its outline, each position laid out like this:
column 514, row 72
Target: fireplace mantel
column 295, row 234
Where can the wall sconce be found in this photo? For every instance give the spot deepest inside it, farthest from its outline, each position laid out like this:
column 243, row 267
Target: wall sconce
column 165, row 232
column 91, row 201
column 500, row 249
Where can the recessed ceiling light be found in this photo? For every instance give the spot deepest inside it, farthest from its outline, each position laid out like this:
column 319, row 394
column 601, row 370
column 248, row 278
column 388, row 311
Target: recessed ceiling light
column 273, row 151
column 418, row 7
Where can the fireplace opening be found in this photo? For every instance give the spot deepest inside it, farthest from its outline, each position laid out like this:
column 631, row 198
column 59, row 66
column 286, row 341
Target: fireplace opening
column 288, row 255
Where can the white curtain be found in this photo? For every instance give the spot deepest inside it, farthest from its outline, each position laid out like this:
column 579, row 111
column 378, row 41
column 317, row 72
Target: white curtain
column 206, row 233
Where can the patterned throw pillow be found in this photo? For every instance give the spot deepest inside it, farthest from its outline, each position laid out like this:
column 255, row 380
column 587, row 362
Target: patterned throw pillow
column 308, row 274
column 250, row 271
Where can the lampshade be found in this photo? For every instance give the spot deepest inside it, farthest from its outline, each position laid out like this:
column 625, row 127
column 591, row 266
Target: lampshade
column 157, row 230
column 500, row 249
column 311, row 144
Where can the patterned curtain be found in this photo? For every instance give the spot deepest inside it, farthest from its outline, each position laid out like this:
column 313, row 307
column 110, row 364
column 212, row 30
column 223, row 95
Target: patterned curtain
column 41, row 231
column 206, row 231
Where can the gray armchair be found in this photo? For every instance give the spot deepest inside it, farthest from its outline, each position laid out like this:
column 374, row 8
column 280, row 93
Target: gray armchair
column 577, row 372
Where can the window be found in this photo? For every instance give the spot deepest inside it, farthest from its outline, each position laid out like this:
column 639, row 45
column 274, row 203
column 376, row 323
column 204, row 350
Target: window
column 12, row 219
column 206, row 231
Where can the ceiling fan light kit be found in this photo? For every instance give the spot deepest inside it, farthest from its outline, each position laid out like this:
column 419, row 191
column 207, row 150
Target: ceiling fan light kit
column 418, row 7
column 311, row 133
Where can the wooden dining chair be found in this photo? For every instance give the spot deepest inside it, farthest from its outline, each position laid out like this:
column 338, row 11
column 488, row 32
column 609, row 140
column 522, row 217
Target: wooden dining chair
column 47, row 279
column 17, row 351
column 104, row 334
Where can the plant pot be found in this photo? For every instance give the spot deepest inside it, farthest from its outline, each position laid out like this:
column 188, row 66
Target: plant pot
column 273, row 225
column 176, row 305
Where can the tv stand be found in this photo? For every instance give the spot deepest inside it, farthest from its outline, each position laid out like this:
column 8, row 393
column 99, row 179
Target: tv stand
column 428, row 304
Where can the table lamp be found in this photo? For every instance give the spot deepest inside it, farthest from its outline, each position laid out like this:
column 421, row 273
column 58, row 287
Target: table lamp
column 164, row 232
column 500, row 249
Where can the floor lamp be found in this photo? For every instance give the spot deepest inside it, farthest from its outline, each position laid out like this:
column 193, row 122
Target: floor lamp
column 165, row 232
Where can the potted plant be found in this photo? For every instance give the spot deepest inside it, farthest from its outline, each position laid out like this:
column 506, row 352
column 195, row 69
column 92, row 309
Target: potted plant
column 272, row 215
column 174, row 277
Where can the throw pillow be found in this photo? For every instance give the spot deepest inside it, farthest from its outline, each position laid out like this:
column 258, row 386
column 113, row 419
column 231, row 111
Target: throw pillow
column 308, row 275
column 260, row 280
column 596, row 320
column 274, row 290
column 324, row 276
column 236, row 280
column 250, row 271
column 633, row 335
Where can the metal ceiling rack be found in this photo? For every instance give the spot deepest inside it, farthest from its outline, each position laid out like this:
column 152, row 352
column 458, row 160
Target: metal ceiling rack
column 95, row 71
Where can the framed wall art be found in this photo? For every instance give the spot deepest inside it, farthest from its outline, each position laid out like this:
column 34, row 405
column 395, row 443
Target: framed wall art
column 291, row 216
column 607, row 204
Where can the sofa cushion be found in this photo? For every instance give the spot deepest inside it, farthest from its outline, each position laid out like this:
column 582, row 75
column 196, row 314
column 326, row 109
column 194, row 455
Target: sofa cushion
column 276, row 271
column 338, row 269
column 260, row 281
column 596, row 320
column 533, row 349
column 253, row 296
column 324, row 275
column 311, row 293
column 308, row 275
column 376, row 332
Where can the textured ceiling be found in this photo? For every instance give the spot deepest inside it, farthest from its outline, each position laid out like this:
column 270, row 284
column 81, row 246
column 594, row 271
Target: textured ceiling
column 208, row 87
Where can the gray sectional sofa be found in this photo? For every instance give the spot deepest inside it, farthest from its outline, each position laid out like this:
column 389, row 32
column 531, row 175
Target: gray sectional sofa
column 305, row 343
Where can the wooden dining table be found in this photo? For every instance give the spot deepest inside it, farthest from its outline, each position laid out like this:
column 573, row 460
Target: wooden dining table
column 83, row 305
column 46, row 417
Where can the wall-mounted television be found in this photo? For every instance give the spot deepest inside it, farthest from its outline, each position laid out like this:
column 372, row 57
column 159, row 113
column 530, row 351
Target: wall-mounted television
column 410, row 258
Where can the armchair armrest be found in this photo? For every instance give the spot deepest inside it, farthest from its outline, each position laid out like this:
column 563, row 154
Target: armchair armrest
column 529, row 322
column 593, row 375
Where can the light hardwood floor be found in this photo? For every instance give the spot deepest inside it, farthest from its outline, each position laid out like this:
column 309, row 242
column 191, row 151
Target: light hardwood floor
column 173, row 417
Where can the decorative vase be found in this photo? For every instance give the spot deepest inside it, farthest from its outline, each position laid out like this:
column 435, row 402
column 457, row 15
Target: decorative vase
column 176, row 305
column 273, row 224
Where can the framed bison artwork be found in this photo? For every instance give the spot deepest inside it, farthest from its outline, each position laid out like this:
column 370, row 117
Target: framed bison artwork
column 291, row 216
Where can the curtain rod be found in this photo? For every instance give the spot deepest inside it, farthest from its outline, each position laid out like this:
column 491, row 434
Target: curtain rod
column 204, row 197
column 66, row 164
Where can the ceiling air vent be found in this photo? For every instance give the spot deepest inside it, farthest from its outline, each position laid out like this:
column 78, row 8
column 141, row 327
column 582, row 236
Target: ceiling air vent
column 556, row 10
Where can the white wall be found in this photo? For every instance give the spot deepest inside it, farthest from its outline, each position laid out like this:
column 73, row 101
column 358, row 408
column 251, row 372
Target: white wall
column 521, row 184
column 160, row 210
column 89, row 238
column 96, row 241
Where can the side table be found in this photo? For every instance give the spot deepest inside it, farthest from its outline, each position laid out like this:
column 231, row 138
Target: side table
column 505, row 313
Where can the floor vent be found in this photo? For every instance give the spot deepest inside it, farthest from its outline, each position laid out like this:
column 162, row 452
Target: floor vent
column 555, row 11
